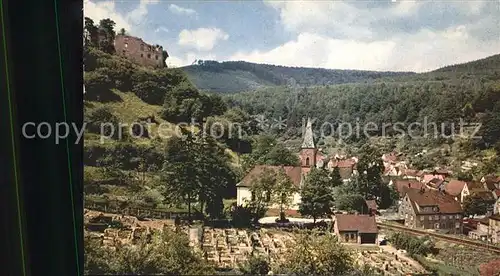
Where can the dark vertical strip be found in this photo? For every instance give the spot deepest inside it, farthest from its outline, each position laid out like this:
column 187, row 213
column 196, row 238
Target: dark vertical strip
column 53, row 209
column 12, row 230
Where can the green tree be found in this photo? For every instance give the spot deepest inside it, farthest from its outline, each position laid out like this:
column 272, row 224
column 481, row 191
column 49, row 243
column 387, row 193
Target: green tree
column 123, row 31
column 370, row 168
column 90, row 34
column 476, row 205
column 335, row 178
column 314, row 254
column 262, row 189
column 282, row 192
column 181, row 181
column 197, row 170
column 413, row 245
column 106, row 33
column 348, row 198
column 316, row 195
column 267, row 151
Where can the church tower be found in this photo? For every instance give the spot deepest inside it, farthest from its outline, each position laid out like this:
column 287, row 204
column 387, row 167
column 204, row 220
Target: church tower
column 308, row 150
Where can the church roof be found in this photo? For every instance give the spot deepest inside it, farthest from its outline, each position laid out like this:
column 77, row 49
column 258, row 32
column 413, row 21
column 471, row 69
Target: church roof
column 294, row 173
column 308, row 142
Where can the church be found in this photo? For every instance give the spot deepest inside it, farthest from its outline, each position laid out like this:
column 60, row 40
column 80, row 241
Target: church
column 309, row 156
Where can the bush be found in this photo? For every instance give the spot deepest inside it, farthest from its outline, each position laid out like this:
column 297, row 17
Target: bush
column 98, row 87
column 255, row 265
column 413, row 245
column 150, row 92
column 101, row 116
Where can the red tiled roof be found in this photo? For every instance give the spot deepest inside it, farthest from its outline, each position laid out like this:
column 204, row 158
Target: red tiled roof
column 429, row 177
column 454, row 187
column 491, row 268
column 410, row 172
column 295, row 174
column 446, row 203
column 435, row 183
column 403, row 185
column 442, row 171
column 360, row 223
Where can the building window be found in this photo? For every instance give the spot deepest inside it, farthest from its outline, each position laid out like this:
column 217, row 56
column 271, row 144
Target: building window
column 126, row 45
column 346, row 237
column 156, row 57
column 142, row 47
column 421, row 218
column 457, row 224
column 450, row 217
column 430, row 217
column 149, row 55
column 436, row 225
column 443, row 217
column 353, row 236
column 307, row 161
column 457, row 216
column 436, row 217
column 142, row 55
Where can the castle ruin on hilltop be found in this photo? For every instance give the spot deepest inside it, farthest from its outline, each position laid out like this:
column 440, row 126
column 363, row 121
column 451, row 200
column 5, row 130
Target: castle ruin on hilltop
column 140, row 52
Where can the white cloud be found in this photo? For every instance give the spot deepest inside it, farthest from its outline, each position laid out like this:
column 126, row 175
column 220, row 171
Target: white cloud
column 106, row 9
column 427, row 50
column 101, row 10
column 202, row 39
column 188, row 59
column 401, row 36
column 161, row 29
column 180, row 10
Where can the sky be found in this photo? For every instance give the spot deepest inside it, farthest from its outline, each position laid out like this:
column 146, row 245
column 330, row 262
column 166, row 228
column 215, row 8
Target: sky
column 377, row 35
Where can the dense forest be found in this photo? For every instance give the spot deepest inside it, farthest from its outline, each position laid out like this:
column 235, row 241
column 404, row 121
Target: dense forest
column 237, row 76
column 470, row 91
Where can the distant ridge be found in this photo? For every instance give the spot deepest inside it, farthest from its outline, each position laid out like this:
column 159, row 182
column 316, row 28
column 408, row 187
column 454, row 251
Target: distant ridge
column 238, row 76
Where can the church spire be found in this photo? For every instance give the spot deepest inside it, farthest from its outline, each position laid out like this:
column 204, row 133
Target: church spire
column 308, row 142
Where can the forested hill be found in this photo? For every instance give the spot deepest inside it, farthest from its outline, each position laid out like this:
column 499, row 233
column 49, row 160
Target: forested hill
column 238, row 76
column 470, row 91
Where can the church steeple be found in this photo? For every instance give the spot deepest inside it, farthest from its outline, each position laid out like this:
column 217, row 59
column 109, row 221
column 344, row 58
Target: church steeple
column 308, row 142
column 308, row 150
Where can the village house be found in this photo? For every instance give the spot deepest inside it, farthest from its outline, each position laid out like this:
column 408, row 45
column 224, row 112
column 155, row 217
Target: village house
column 402, row 185
column 138, row 51
column 356, row 228
column 462, row 189
column 431, row 209
column 494, row 227
column 347, row 167
column 481, row 231
column 491, row 182
column 393, row 166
